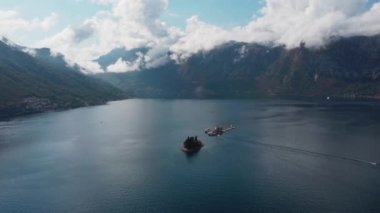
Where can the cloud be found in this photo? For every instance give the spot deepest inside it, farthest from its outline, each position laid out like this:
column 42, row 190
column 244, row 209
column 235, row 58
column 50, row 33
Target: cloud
column 129, row 23
column 125, row 66
column 136, row 23
column 11, row 23
column 314, row 21
column 286, row 22
column 73, row 36
column 199, row 36
column 30, row 51
column 367, row 24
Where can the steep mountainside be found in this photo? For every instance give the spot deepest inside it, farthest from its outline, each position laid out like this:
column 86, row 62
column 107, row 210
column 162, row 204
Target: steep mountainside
column 345, row 68
column 43, row 82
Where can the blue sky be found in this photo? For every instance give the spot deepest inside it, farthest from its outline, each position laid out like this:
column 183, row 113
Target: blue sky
column 219, row 12
column 70, row 12
column 224, row 13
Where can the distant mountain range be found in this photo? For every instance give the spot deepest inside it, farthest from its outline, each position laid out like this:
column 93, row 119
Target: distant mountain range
column 344, row 68
column 35, row 80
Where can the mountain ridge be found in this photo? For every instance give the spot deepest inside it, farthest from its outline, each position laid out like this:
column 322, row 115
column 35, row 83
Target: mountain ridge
column 38, row 82
column 344, row 68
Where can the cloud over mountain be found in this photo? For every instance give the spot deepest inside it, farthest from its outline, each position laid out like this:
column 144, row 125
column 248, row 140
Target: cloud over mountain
column 288, row 22
column 137, row 23
column 129, row 23
column 314, row 21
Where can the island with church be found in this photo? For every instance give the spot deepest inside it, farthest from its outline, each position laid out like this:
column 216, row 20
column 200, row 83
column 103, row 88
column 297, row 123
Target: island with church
column 192, row 145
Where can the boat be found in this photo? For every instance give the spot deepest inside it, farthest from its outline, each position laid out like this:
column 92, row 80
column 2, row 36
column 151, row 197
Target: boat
column 218, row 131
column 191, row 145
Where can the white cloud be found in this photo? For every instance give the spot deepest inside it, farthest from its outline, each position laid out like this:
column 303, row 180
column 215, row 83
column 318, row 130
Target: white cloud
column 125, row 66
column 11, row 23
column 367, row 24
column 30, row 51
column 199, row 36
column 314, row 21
column 129, row 23
column 289, row 22
column 136, row 23
column 286, row 22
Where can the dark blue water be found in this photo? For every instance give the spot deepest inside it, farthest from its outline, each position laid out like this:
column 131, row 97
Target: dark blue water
column 284, row 156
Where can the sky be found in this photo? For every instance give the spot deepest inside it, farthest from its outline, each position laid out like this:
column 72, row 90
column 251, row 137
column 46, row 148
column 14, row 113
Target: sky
column 85, row 29
column 226, row 13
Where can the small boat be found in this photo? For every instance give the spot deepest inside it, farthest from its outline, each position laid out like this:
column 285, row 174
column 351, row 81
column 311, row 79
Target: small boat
column 218, row 131
column 192, row 145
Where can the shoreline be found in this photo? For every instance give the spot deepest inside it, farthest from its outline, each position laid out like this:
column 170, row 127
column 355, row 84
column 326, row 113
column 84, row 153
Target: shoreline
column 315, row 101
column 23, row 112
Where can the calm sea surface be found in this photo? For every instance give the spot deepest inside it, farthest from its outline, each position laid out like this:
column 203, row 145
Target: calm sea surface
column 284, row 156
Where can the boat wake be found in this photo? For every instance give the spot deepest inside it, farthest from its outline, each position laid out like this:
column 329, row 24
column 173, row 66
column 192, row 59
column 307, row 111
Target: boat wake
column 291, row 149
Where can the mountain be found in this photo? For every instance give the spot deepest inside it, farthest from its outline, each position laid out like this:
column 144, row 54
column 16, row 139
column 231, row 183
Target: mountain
column 39, row 81
column 344, row 68
column 120, row 53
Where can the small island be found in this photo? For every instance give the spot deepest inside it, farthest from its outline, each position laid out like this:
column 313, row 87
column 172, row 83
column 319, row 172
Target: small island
column 192, row 145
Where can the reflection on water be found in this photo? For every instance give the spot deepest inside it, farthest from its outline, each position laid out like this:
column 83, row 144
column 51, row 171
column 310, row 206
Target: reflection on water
column 191, row 155
column 284, row 156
